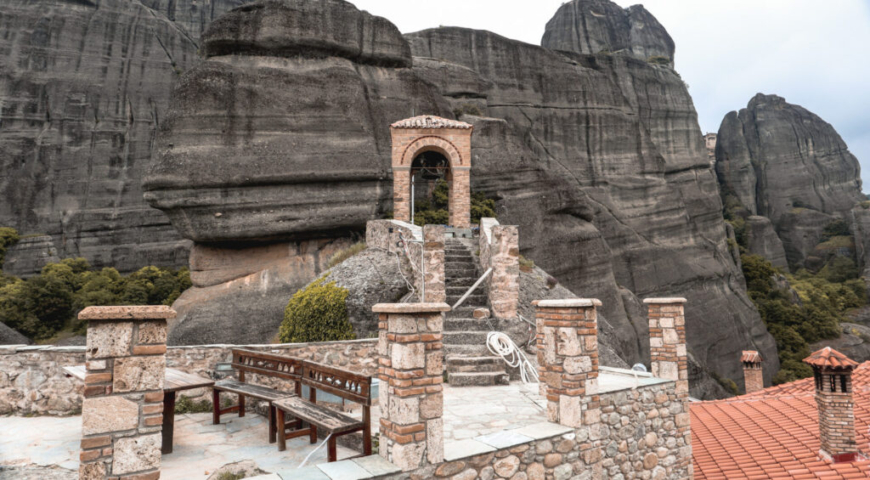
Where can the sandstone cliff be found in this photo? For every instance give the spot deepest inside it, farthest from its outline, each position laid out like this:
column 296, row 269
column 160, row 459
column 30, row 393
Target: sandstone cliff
column 83, row 87
column 281, row 135
column 785, row 163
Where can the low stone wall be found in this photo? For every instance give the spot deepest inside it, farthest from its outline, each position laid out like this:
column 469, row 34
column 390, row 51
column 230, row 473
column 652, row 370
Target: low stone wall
column 32, row 380
column 642, row 434
column 378, row 235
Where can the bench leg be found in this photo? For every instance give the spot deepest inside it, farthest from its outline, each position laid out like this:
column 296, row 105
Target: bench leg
column 168, row 421
column 216, row 402
column 272, row 423
column 313, row 432
column 367, row 431
column 282, row 433
column 241, row 405
column 333, row 454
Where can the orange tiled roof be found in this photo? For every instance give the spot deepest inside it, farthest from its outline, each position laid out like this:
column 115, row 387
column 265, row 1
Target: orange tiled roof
column 830, row 358
column 431, row 121
column 750, row 356
column 774, row 433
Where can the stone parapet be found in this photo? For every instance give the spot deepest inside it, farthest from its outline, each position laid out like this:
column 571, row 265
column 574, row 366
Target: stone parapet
column 567, row 340
column 410, row 370
column 667, row 339
column 500, row 250
column 435, row 289
column 122, row 413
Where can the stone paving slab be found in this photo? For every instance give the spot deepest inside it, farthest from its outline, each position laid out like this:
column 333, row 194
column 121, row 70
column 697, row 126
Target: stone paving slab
column 377, row 465
column 464, row 448
column 346, row 470
column 504, row 439
column 542, row 430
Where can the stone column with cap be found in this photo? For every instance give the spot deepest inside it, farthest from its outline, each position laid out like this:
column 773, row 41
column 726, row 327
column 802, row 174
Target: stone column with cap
column 568, row 360
column 433, row 264
column 667, row 341
column 833, row 380
column 504, row 285
column 410, row 368
column 753, row 378
column 122, row 412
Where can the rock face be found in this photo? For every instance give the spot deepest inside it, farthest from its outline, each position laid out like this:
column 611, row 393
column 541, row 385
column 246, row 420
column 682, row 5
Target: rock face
column 609, row 183
column 192, row 16
column 83, row 86
column 9, row 336
column 761, row 239
column 595, row 26
column 29, row 255
column 787, row 164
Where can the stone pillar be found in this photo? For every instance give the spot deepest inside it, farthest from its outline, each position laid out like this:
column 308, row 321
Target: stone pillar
column 460, row 197
column 667, row 341
column 568, row 360
column 753, row 379
column 833, row 379
column 504, row 286
column 122, row 413
column 402, row 193
column 410, row 368
column 433, row 261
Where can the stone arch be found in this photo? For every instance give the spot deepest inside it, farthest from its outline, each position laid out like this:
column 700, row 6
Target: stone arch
column 450, row 138
column 432, row 143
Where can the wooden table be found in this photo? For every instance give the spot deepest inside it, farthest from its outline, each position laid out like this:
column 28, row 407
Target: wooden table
column 175, row 381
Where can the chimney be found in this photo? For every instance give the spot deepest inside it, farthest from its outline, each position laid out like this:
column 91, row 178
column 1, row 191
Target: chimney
column 752, row 374
column 833, row 374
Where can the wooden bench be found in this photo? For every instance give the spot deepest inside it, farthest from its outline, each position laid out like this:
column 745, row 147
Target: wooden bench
column 264, row 365
column 341, row 383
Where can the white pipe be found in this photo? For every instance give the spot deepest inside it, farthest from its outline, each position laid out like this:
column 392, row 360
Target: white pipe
column 412, row 197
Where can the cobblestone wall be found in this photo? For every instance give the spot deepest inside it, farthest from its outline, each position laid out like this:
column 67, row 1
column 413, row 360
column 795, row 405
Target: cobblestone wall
column 378, row 235
column 32, row 380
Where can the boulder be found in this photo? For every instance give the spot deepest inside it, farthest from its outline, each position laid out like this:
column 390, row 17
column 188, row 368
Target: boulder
column 785, row 163
column 601, row 26
column 10, row 336
column 761, row 239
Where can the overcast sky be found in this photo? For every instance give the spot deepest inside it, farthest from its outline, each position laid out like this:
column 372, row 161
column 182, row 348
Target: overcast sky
column 814, row 53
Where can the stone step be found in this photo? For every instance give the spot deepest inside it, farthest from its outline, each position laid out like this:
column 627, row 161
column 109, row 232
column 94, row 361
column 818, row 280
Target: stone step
column 475, row 364
column 461, row 280
column 466, row 350
column 460, row 290
column 465, row 338
column 466, row 325
column 473, row 300
column 464, row 271
column 477, row 379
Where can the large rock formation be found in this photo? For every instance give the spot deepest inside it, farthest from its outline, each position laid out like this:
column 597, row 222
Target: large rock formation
column 595, row 26
column 787, row 164
column 83, row 87
column 277, row 139
column 761, row 239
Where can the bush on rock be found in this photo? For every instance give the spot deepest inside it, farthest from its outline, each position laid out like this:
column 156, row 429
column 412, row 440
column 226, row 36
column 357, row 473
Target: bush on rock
column 317, row 313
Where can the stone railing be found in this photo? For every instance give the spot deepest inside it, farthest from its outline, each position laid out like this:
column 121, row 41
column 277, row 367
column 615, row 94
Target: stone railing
column 32, row 381
column 422, row 258
column 499, row 250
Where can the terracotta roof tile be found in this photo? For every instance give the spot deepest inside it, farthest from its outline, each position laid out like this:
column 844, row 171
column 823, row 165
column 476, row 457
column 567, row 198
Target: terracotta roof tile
column 774, row 433
column 431, row 121
column 750, row 356
column 830, row 358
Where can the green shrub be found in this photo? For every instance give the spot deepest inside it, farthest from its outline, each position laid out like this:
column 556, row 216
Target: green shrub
column 317, row 313
column 526, row 265
column 346, row 253
column 8, row 237
column 48, row 303
column 467, row 109
column 837, row 228
column 187, row 405
column 729, row 385
column 658, row 60
column 436, row 212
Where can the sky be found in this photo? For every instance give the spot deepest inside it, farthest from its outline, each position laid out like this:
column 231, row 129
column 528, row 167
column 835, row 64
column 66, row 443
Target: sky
column 813, row 53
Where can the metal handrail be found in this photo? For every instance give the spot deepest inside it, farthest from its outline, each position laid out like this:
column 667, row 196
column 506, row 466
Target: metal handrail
column 473, row 288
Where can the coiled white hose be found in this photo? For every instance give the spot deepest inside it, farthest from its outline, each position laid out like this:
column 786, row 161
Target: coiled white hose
column 500, row 344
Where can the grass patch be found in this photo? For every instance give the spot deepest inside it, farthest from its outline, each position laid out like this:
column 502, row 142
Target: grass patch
column 526, row 265
column 346, row 253
column 187, row 405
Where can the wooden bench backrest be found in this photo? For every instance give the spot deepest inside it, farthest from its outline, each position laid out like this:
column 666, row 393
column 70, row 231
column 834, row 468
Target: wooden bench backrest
column 267, row 364
column 341, row 383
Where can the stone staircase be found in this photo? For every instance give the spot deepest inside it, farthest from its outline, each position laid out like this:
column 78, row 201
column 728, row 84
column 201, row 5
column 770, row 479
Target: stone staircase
column 469, row 362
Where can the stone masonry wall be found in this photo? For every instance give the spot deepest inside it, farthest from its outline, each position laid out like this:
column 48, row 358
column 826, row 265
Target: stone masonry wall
column 378, row 235
column 499, row 250
column 638, row 438
column 32, row 381
column 433, row 264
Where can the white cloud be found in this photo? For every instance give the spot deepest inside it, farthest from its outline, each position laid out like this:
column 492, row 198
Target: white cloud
column 815, row 54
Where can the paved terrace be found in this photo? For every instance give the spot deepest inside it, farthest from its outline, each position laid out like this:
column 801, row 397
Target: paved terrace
column 476, row 420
